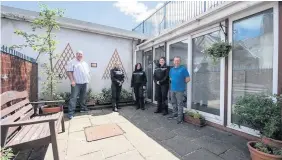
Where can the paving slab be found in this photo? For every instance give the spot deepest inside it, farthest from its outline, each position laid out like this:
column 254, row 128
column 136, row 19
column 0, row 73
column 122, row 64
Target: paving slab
column 202, row 154
column 213, row 145
column 235, row 154
column 131, row 155
column 162, row 134
column 181, row 145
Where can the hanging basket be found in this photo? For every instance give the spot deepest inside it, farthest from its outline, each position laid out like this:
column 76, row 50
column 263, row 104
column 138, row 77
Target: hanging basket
column 218, row 50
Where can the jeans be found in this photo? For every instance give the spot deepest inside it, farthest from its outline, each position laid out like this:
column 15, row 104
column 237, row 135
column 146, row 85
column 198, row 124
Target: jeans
column 177, row 104
column 77, row 90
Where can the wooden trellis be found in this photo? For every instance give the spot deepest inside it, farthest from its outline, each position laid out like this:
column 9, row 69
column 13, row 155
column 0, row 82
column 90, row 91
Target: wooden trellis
column 66, row 56
column 115, row 59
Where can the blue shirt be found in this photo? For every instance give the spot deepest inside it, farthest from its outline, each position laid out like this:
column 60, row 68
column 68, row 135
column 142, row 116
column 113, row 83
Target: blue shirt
column 178, row 76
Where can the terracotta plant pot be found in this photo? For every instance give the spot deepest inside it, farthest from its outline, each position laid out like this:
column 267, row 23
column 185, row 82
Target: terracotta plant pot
column 195, row 121
column 258, row 155
column 51, row 109
column 272, row 142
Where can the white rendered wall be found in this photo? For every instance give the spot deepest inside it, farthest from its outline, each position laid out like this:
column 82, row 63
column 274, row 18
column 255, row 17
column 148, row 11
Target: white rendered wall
column 97, row 49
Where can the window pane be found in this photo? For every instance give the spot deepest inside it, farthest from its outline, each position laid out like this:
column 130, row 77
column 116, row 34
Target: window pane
column 205, row 76
column 149, row 73
column 159, row 52
column 252, row 55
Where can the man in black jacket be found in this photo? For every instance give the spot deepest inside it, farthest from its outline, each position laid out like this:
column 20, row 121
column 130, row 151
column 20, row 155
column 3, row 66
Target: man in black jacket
column 138, row 82
column 161, row 79
column 117, row 77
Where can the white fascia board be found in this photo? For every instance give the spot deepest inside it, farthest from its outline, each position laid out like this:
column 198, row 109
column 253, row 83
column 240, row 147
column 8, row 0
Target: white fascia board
column 206, row 19
column 25, row 15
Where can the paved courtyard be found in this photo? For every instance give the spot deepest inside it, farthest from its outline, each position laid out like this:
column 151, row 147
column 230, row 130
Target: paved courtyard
column 147, row 136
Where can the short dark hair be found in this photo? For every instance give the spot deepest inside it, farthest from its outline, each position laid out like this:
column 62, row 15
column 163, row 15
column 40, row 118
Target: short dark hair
column 163, row 58
column 177, row 57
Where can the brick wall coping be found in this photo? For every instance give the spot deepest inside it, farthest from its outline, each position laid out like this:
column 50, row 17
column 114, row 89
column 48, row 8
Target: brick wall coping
column 10, row 51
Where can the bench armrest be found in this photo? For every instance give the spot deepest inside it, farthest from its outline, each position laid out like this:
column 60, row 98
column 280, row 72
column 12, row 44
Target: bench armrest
column 56, row 101
column 52, row 118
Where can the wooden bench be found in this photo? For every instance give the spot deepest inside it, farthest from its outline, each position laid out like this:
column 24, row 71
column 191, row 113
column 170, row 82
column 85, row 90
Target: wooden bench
column 22, row 128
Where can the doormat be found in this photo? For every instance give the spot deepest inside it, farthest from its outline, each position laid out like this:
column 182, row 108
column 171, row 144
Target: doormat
column 95, row 133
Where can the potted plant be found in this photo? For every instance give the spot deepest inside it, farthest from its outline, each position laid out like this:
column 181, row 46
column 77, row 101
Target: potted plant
column 6, row 154
column 218, row 50
column 261, row 112
column 195, row 118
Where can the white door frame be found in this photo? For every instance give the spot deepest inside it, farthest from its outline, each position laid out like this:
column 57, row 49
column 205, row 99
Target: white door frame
column 182, row 38
column 241, row 15
column 144, row 59
column 154, row 53
column 208, row 116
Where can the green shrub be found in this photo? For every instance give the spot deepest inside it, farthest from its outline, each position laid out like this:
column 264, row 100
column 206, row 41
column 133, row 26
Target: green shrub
column 262, row 113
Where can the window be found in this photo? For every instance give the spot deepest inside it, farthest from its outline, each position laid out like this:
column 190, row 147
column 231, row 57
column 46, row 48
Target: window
column 205, row 76
column 252, row 56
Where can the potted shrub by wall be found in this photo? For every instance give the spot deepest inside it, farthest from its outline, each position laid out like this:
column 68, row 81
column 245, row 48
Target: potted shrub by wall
column 262, row 113
column 194, row 118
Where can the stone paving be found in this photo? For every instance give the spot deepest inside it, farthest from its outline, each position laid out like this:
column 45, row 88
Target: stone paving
column 148, row 136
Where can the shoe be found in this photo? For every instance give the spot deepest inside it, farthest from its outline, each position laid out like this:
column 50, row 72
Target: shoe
column 172, row 117
column 70, row 117
column 115, row 109
column 143, row 109
column 83, row 111
column 179, row 122
column 165, row 113
column 158, row 111
column 137, row 108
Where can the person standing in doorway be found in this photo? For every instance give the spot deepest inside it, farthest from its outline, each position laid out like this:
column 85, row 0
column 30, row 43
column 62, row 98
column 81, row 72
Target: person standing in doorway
column 161, row 79
column 117, row 77
column 138, row 83
column 179, row 76
column 79, row 74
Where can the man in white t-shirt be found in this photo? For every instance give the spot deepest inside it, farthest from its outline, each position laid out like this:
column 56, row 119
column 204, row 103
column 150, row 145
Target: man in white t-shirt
column 79, row 75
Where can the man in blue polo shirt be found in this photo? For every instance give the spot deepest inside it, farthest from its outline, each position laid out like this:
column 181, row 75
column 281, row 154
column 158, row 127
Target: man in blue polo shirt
column 179, row 76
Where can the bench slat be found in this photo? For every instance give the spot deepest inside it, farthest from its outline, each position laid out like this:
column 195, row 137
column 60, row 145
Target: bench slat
column 19, row 114
column 12, row 95
column 13, row 129
column 17, row 139
column 14, row 107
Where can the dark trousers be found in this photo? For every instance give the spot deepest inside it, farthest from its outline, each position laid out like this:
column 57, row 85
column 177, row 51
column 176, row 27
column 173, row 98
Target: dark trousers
column 161, row 93
column 116, row 89
column 77, row 90
column 139, row 95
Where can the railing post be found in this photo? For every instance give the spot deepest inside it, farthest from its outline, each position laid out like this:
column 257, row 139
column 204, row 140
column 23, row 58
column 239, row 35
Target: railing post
column 165, row 17
column 143, row 24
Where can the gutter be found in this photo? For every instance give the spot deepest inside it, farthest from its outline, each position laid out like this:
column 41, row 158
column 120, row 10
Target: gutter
column 80, row 27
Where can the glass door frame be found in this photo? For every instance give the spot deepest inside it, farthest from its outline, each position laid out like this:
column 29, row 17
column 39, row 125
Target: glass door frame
column 208, row 116
column 154, row 53
column 182, row 38
column 274, row 6
column 144, row 59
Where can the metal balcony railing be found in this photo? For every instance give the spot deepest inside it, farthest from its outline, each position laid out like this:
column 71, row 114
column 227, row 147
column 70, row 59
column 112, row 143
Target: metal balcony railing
column 173, row 13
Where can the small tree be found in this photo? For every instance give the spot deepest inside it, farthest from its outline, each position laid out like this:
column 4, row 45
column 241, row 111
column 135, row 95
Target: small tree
column 44, row 44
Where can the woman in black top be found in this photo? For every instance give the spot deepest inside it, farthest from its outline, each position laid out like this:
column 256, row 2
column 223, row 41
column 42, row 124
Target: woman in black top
column 117, row 77
column 138, row 82
column 161, row 79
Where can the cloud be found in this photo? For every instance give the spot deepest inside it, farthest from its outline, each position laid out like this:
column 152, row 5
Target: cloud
column 138, row 10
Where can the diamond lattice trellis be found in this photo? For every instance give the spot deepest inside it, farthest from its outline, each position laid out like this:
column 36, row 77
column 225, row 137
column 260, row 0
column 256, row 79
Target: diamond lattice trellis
column 66, row 56
column 115, row 59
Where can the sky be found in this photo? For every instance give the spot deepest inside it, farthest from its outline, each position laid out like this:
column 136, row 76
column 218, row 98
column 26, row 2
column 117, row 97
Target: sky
column 120, row 14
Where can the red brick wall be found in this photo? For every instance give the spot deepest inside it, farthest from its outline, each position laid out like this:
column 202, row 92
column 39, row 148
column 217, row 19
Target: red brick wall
column 22, row 75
